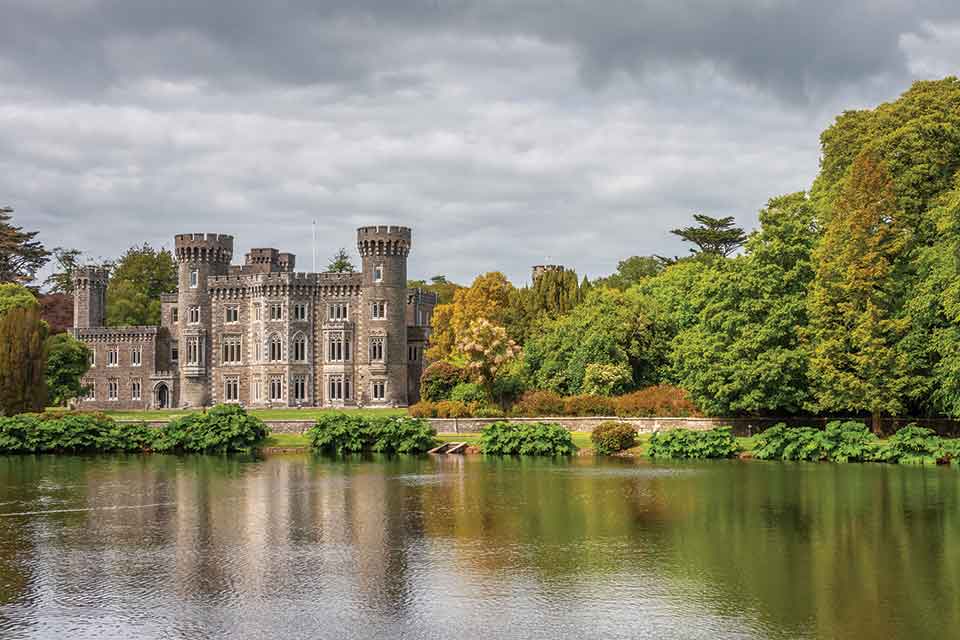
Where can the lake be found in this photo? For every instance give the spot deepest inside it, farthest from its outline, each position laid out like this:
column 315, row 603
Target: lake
column 459, row 547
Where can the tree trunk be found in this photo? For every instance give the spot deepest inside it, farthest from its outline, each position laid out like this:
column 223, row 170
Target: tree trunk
column 876, row 426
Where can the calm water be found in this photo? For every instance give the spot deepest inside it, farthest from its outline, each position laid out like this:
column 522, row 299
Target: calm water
column 294, row 547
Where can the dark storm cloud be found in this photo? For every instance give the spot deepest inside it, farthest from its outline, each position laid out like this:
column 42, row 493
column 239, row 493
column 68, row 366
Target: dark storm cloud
column 504, row 131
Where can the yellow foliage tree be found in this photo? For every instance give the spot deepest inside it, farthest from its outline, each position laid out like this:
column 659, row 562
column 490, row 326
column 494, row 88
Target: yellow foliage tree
column 487, row 298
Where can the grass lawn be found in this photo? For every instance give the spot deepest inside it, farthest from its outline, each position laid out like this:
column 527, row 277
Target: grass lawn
column 311, row 413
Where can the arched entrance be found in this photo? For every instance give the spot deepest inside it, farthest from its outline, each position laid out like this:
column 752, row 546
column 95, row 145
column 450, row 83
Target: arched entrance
column 163, row 396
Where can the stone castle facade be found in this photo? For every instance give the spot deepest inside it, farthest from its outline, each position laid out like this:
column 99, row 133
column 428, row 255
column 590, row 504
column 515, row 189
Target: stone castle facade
column 261, row 334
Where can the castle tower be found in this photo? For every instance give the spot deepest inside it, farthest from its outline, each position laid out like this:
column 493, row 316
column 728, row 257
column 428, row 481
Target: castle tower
column 381, row 323
column 199, row 256
column 540, row 269
column 90, row 297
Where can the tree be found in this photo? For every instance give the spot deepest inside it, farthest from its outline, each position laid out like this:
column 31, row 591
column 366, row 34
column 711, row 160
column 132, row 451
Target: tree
column 631, row 271
column 552, row 294
column 341, row 263
column 486, row 349
column 713, row 236
column 61, row 280
column 488, row 297
column 23, row 355
column 20, row 255
column 744, row 352
column 439, row 285
column 68, row 360
column 137, row 281
column 854, row 322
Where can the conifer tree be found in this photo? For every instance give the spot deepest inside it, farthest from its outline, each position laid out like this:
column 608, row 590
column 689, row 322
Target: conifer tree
column 853, row 306
column 23, row 387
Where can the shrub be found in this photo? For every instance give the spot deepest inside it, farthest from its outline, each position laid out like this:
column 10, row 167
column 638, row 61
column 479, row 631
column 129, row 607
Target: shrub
column 222, row 429
column 343, row 433
column 539, row 403
column 661, row 400
column 488, row 411
column 588, row 406
column 526, row 439
column 423, row 409
column 849, row 442
column 685, row 443
column 71, row 433
column 606, row 379
column 912, row 445
column 438, row 380
column 453, row 409
column 781, row 442
column 610, row 437
column 469, row 392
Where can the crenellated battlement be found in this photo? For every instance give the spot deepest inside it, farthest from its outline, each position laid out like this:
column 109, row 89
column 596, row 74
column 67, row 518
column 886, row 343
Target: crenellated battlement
column 84, row 277
column 204, row 247
column 384, row 240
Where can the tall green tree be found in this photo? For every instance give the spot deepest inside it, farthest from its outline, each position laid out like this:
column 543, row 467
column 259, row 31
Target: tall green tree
column 855, row 299
column 61, row 280
column 713, row 236
column 21, row 255
column 68, row 360
column 137, row 281
column 552, row 294
column 744, row 354
column 631, row 271
column 22, row 352
column 341, row 263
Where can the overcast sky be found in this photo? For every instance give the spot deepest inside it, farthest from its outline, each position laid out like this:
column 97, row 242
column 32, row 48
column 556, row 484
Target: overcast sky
column 505, row 132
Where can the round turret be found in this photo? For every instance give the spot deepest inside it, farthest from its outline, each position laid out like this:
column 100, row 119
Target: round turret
column 384, row 241
column 204, row 247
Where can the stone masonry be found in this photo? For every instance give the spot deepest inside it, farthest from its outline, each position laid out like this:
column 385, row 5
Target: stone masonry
column 262, row 334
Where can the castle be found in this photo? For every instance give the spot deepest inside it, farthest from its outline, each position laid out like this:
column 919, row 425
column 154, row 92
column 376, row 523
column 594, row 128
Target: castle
column 261, row 334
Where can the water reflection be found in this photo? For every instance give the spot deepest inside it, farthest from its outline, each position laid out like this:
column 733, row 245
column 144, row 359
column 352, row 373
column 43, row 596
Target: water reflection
column 298, row 547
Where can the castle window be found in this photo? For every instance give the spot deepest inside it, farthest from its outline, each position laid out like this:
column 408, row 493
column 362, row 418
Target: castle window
column 299, row 348
column 256, row 390
column 93, row 356
column 299, row 388
column 174, row 354
column 194, row 355
column 175, row 315
column 378, row 273
column 194, row 279
column 231, row 349
column 232, row 314
column 378, row 310
column 379, row 390
column 113, row 389
column 413, row 353
column 90, row 390
column 275, row 348
column 276, row 388
column 376, row 349
column 256, row 311
column 339, row 387
column 231, row 389
column 136, row 355
column 336, row 347
column 195, row 315
column 113, row 356
column 300, row 311
column 276, row 312
column 256, row 348
column 135, row 386
column 337, row 311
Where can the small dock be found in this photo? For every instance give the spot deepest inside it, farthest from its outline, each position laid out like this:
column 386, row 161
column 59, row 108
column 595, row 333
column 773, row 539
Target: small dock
column 450, row 447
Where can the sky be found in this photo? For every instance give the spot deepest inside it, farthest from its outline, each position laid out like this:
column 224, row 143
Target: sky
column 506, row 133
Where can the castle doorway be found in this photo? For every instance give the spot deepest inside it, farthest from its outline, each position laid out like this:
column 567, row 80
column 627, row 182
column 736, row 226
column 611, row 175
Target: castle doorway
column 163, row 396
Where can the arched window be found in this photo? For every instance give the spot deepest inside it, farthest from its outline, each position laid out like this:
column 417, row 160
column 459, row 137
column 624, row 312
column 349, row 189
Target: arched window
column 275, row 348
column 257, row 349
column 299, row 348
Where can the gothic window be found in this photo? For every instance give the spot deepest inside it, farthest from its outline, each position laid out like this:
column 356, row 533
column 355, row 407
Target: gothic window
column 256, row 311
column 113, row 389
column 194, row 354
column 379, row 389
column 257, row 393
column 376, row 349
column 113, row 356
column 335, row 347
column 337, row 311
column 194, row 315
column 378, row 310
column 232, row 314
column 275, row 348
column 299, row 348
column 231, row 389
column 231, row 349
column 300, row 312
column 299, row 388
column 136, row 355
column 339, row 387
column 276, row 312
column 257, row 347
column 276, row 388
column 135, row 386
column 194, row 279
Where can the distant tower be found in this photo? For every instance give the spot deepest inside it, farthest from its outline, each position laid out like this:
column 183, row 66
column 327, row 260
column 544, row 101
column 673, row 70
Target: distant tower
column 540, row 269
column 383, row 252
column 199, row 256
column 90, row 297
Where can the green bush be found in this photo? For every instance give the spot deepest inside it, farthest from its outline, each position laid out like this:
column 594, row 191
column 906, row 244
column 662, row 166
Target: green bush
column 912, row 445
column 344, row 433
column 469, row 392
column 438, row 380
column 610, row 437
column 588, row 405
column 71, row 433
column 849, row 442
column 222, row 429
column 781, row 442
column 526, row 439
column 685, row 443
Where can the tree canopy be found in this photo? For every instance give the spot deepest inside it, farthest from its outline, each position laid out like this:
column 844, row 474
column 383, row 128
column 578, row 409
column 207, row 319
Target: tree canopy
column 137, row 281
column 713, row 236
column 341, row 263
column 21, row 255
